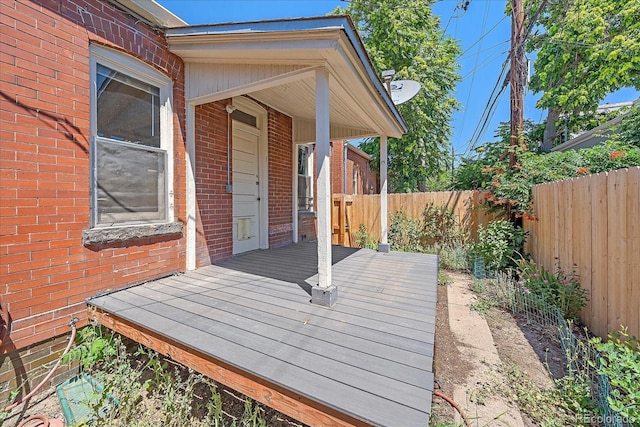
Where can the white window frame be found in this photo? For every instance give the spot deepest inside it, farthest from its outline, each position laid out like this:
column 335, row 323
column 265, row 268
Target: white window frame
column 137, row 69
column 309, row 175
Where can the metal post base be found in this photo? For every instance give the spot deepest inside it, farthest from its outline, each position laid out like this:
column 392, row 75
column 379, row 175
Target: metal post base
column 325, row 297
column 384, row 247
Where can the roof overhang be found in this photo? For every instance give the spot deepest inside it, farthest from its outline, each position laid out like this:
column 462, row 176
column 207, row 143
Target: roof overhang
column 152, row 12
column 274, row 62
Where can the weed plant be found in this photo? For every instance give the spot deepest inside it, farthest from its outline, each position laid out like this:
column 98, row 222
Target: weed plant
column 149, row 389
column 619, row 361
column 497, row 243
column 601, row 380
column 364, row 240
column 439, row 227
column 405, row 234
column 556, row 288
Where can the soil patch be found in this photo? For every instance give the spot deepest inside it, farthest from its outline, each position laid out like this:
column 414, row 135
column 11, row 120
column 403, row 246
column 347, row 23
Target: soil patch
column 449, row 367
column 532, row 348
column 526, row 354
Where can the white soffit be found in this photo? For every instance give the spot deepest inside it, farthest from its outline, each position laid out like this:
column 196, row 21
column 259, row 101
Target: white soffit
column 275, row 61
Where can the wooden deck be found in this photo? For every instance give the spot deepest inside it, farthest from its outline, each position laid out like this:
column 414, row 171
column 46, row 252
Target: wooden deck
column 248, row 323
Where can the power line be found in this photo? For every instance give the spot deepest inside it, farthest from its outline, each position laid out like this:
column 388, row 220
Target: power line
column 497, row 45
column 464, row 5
column 475, row 66
column 483, row 36
column 486, row 61
column 489, row 108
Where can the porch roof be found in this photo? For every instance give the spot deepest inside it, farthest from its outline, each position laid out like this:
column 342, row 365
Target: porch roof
column 274, row 62
column 247, row 323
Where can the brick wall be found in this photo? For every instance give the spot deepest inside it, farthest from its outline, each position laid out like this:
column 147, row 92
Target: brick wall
column 46, row 272
column 366, row 177
column 307, row 226
column 29, row 366
column 337, row 168
column 280, row 179
column 214, row 206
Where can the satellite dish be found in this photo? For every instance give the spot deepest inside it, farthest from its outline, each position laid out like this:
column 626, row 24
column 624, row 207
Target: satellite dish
column 404, row 90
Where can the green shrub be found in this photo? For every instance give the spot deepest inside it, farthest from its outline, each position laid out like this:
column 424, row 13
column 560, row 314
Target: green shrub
column 440, row 226
column 93, row 345
column 497, row 244
column 364, row 240
column 559, row 288
column 404, row 233
column 611, row 155
column 452, row 257
column 620, row 361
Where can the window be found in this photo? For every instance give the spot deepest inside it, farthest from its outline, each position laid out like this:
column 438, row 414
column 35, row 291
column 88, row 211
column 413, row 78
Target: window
column 245, row 118
column 305, row 177
column 131, row 140
column 355, row 178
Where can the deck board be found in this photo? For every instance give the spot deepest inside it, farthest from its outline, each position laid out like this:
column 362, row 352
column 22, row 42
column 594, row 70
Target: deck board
column 369, row 357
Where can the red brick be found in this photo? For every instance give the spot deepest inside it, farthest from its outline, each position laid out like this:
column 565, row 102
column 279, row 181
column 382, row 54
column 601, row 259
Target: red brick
column 30, row 303
column 46, row 132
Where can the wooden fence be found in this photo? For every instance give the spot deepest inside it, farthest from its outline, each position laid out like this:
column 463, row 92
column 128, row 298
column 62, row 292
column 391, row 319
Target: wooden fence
column 592, row 224
column 349, row 211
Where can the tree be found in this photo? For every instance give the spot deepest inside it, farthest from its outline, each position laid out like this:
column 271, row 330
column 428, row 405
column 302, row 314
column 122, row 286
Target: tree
column 405, row 35
column 586, row 50
column 509, row 189
column 475, row 173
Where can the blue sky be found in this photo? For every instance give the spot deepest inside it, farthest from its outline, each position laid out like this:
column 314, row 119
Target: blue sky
column 483, row 32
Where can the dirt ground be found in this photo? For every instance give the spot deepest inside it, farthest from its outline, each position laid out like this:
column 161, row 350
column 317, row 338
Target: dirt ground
column 470, row 365
column 467, row 365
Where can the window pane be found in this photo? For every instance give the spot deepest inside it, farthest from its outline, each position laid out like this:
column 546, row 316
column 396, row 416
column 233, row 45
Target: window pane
column 302, row 160
column 130, row 183
column 305, row 201
column 128, row 109
column 245, row 118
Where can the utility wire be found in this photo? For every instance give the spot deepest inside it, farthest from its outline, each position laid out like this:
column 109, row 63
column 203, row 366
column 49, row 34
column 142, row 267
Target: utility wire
column 486, row 61
column 499, row 88
column 475, row 66
column 489, row 108
column 483, row 36
column 495, row 46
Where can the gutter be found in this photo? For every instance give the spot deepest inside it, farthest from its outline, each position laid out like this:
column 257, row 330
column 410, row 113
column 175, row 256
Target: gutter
column 151, row 13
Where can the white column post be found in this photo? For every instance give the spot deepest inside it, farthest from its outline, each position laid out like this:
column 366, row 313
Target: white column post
column 324, row 293
column 191, row 187
column 384, row 245
column 295, row 192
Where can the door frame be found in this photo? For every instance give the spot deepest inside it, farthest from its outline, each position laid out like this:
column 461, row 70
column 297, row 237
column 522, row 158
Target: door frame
column 251, row 107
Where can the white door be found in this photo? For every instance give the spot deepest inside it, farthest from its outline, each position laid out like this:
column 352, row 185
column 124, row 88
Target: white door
column 246, row 188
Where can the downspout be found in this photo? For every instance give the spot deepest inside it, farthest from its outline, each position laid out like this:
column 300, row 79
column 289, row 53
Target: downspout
column 230, row 109
column 345, row 146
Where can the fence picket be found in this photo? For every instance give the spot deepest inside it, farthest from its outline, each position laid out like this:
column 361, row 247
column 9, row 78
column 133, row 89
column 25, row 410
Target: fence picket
column 633, row 250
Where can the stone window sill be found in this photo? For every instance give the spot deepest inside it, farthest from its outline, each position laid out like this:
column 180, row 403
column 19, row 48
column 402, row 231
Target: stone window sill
column 111, row 235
